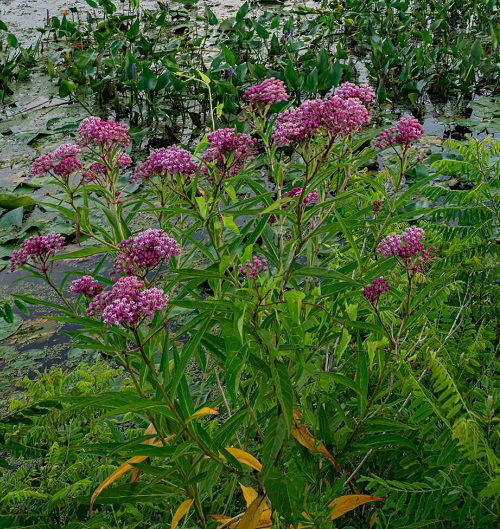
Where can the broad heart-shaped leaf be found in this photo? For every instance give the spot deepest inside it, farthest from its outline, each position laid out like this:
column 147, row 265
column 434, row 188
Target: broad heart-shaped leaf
column 10, row 201
column 347, row 503
column 181, row 511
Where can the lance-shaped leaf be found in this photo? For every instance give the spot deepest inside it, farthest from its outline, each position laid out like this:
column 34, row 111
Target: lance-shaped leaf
column 181, row 511
column 203, row 412
column 244, row 458
column 250, row 496
column 126, row 467
column 252, row 516
column 304, row 437
column 347, row 503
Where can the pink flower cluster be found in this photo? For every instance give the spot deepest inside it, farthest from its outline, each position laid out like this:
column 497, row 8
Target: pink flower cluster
column 86, row 285
column 229, row 150
column 62, row 162
column 350, row 90
column 374, row 290
column 169, row 160
column 140, row 254
column 334, row 115
column 310, row 198
column 37, row 249
column 110, row 134
column 94, row 172
column 407, row 246
column 126, row 304
column 251, row 269
column 270, row 91
column 405, row 132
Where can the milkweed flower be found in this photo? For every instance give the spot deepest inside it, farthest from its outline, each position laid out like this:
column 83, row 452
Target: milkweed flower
column 252, row 268
column 109, row 134
column 405, row 132
column 375, row 289
column 166, row 161
column 62, row 162
column 349, row 90
column 36, row 251
column 141, row 253
column 334, row 115
column 126, row 304
column 86, row 285
column 407, row 246
column 310, row 198
column 270, row 91
column 229, row 151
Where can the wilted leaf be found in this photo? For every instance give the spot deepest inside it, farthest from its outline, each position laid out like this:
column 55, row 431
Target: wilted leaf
column 304, row 437
column 347, row 503
column 203, row 412
column 253, row 514
column 244, row 457
column 181, row 512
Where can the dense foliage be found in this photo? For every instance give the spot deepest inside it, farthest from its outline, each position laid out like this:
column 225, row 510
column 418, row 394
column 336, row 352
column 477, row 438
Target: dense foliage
column 287, row 312
column 301, row 332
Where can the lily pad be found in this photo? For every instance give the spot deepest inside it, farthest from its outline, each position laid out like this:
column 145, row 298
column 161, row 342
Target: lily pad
column 11, row 201
column 8, row 329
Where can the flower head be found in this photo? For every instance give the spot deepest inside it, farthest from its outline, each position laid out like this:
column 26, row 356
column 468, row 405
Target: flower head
column 270, row 91
column 374, row 290
column 126, row 304
column 405, row 132
column 252, row 268
column 166, row 161
column 123, row 160
column 229, row 151
column 407, row 246
column 145, row 251
column 94, row 131
column 334, row 115
column 86, row 285
column 36, row 251
column 67, row 150
column 296, row 192
column 349, row 90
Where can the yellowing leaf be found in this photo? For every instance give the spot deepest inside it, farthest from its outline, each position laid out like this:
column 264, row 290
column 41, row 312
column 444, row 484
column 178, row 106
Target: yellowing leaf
column 347, row 503
column 249, row 494
column 127, row 466
column 244, row 457
column 135, row 475
column 118, row 473
column 253, row 514
column 203, row 412
column 303, row 436
column 181, row 512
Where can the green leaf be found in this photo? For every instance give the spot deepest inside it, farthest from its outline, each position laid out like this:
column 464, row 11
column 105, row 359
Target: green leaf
column 276, row 433
column 14, row 217
column 79, row 254
column 284, row 391
column 10, row 201
column 242, row 12
column 12, row 40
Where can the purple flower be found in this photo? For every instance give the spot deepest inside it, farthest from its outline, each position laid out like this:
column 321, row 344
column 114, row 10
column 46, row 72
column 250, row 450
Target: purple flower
column 126, row 304
column 123, row 160
column 266, row 93
column 43, row 164
column 166, row 161
column 407, row 246
column 374, row 290
column 145, row 251
column 67, row 166
column 229, row 151
column 67, row 150
column 333, row 116
column 37, row 250
column 252, row 268
column 349, row 90
column 308, row 199
column 86, row 285
column 94, row 172
column 405, row 132
column 109, row 134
